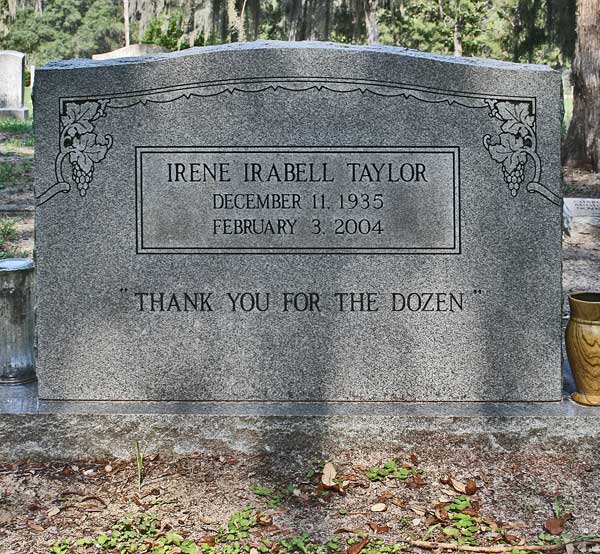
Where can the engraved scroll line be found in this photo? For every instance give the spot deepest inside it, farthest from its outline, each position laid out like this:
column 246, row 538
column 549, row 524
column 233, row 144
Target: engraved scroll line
column 81, row 146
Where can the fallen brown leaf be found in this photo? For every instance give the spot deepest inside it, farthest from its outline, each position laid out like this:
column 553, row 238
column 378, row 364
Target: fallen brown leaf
column 264, row 519
column 555, row 526
column 472, row 511
column 357, row 548
column 441, row 513
column 35, row 526
column 458, row 486
column 379, row 528
column 471, row 487
column 94, row 497
column 415, row 482
column 419, row 510
column 328, row 476
column 379, row 507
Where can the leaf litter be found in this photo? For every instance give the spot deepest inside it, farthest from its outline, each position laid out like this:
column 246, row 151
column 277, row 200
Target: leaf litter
column 355, row 504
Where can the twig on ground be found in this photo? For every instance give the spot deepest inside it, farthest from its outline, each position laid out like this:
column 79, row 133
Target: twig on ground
column 498, row 549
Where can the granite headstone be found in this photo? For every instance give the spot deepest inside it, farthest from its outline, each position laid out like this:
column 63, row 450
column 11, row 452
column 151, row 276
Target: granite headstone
column 298, row 222
column 12, row 84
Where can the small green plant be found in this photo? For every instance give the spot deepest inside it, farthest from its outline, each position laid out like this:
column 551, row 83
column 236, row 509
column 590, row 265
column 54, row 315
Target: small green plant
column 275, row 500
column 557, row 508
column 464, row 527
column 8, row 230
column 60, row 547
column 261, row 491
column 141, row 533
column 296, row 544
column 238, row 527
column 391, row 470
column 459, row 504
column 8, row 233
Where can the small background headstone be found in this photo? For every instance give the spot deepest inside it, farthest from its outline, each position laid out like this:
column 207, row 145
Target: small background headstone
column 12, row 84
column 132, row 51
column 583, row 207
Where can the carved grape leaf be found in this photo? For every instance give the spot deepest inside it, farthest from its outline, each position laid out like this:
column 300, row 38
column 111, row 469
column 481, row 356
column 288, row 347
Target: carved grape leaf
column 516, row 117
column 508, row 151
column 87, row 150
column 78, row 118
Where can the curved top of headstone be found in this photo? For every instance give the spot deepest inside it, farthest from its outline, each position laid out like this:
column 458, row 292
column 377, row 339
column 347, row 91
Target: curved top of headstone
column 131, row 51
column 14, row 53
column 299, row 45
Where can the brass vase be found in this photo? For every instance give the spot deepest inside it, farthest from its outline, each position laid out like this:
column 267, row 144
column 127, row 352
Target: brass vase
column 583, row 346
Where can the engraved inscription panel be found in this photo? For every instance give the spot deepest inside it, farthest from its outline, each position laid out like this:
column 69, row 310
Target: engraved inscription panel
column 298, row 200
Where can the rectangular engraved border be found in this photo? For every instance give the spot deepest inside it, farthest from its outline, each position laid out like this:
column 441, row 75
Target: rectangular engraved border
column 141, row 249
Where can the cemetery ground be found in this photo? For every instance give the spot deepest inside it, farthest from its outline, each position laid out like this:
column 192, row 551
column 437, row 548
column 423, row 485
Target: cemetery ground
column 441, row 496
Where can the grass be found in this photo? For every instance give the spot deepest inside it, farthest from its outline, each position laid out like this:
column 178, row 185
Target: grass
column 16, row 143
column 16, row 174
column 28, row 102
column 145, row 533
column 10, row 125
column 8, row 233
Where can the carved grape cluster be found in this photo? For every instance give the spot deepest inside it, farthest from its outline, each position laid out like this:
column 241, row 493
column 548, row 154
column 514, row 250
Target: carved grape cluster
column 80, row 141
column 515, row 143
column 82, row 177
column 514, row 178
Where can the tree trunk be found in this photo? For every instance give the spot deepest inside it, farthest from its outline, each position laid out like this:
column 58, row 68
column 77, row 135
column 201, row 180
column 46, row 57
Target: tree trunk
column 458, row 49
column 582, row 145
column 371, row 21
column 126, row 20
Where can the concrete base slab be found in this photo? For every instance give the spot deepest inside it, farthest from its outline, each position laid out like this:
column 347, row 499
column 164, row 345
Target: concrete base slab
column 15, row 113
column 42, row 430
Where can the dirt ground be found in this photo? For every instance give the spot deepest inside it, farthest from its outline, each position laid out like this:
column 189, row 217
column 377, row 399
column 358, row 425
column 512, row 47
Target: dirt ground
column 515, row 498
column 581, row 184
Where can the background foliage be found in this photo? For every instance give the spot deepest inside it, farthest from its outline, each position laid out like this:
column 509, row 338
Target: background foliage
column 539, row 31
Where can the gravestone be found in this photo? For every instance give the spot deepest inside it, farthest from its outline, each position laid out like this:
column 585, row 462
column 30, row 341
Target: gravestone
column 583, row 207
column 131, row 51
column 12, row 84
column 298, row 222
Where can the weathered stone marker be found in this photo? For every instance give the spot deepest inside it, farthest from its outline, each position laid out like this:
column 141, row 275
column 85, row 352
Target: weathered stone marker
column 131, row 51
column 16, row 321
column 583, row 207
column 12, row 84
column 292, row 222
